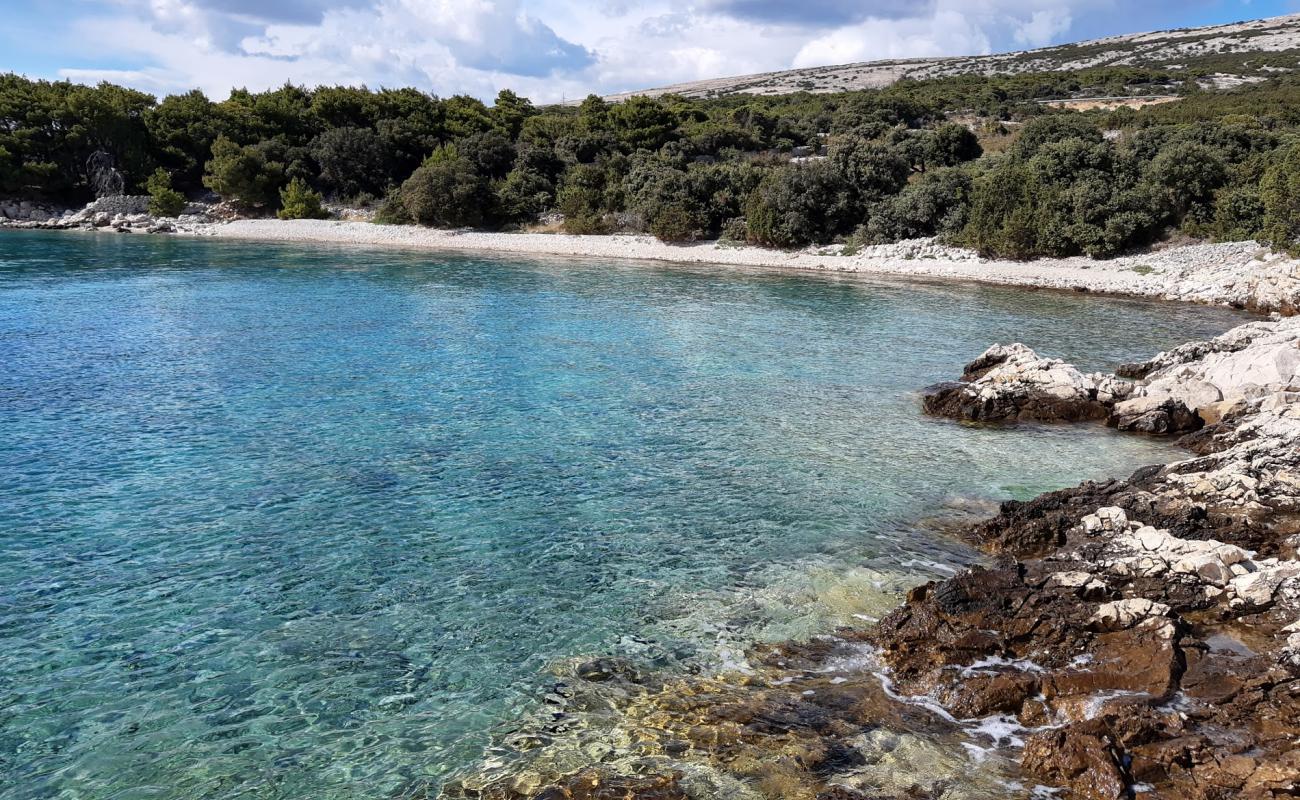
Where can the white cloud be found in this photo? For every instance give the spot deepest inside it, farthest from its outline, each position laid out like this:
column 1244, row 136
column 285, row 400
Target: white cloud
column 1043, row 27
column 946, row 33
column 548, row 49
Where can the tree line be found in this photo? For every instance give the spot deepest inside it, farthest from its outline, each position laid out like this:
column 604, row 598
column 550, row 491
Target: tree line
column 920, row 158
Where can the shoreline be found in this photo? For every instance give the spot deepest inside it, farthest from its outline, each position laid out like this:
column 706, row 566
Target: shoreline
column 1238, row 274
column 1243, row 275
column 1129, row 638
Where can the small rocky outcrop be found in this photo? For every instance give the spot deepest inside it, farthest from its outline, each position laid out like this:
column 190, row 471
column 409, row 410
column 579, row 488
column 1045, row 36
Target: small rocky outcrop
column 1013, row 383
column 1176, row 392
column 1214, row 377
column 119, row 213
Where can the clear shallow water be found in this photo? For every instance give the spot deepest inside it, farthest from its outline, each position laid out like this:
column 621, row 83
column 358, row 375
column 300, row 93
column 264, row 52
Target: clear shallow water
column 310, row 522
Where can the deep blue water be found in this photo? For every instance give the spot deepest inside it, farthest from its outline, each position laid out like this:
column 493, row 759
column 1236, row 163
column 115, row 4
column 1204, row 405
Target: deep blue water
column 314, row 523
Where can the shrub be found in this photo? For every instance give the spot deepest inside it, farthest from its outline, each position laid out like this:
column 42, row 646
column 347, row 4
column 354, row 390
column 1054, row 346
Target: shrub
column 675, row 222
column 871, row 169
column 663, row 195
column 445, row 191
column 1190, row 174
column 951, row 144
column 1238, row 214
column 1280, row 195
column 1053, row 128
column 523, row 195
column 801, row 204
column 936, row 205
column 164, row 201
column 587, row 199
column 298, row 201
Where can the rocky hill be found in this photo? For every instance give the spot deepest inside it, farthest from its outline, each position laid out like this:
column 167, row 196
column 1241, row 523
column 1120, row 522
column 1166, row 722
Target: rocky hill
column 1220, row 55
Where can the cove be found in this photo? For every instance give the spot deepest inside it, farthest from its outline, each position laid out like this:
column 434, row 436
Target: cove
column 319, row 522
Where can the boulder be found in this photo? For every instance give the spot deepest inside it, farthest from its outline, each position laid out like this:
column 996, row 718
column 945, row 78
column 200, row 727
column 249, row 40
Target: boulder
column 1154, row 415
column 1012, row 382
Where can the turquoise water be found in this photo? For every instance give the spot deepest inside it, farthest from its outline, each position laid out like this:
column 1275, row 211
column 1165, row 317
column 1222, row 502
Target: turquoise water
column 288, row 522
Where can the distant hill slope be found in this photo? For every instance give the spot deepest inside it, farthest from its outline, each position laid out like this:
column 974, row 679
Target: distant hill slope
column 1220, row 54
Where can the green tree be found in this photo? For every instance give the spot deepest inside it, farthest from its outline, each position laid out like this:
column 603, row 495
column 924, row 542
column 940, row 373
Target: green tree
column 243, row 173
column 164, row 201
column 938, row 204
column 1189, row 174
column 590, row 194
column 872, row 169
column 183, row 128
column 351, row 160
column 952, row 144
column 1280, row 194
column 298, row 201
column 1053, row 128
column 523, row 195
column 641, row 123
column 510, row 111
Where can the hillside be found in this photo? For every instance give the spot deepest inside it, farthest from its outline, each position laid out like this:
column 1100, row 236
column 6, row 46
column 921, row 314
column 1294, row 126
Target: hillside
column 1220, row 56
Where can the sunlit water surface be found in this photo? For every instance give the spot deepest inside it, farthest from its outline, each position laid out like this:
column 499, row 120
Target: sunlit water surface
column 316, row 523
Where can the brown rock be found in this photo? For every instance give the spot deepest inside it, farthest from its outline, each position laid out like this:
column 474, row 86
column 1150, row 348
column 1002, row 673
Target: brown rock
column 1081, row 758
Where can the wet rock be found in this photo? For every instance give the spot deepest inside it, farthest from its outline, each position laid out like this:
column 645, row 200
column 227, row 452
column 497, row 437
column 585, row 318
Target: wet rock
column 1082, row 758
column 1149, row 633
column 591, row 784
column 604, row 669
column 1123, row 614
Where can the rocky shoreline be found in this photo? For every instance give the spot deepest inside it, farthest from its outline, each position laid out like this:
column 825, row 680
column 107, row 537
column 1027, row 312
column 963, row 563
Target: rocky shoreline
column 1131, row 638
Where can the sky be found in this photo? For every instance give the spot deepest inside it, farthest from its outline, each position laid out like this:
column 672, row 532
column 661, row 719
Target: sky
column 548, row 50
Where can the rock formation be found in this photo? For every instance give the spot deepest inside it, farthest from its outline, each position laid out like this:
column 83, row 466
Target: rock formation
column 1012, row 382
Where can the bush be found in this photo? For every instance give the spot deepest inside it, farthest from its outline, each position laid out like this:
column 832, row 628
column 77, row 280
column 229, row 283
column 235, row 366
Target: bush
column 1238, row 214
column 1053, row 128
column 936, row 205
column 663, row 196
column 675, row 223
column 523, row 195
column 298, row 201
column 801, row 204
column 1190, row 174
column 243, row 173
column 871, row 169
column 1280, row 195
column 445, row 191
column 951, row 144
column 164, row 201
column 587, row 199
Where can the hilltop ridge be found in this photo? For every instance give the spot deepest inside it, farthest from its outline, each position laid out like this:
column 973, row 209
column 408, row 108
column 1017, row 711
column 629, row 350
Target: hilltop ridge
column 1219, row 55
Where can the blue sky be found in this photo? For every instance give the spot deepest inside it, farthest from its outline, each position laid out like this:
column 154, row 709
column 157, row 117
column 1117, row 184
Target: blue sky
column 547, row 49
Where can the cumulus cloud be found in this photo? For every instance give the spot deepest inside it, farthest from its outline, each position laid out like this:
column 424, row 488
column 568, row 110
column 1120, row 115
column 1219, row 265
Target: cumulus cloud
column 819, row 13
column 1043, row 27
column 554, row 49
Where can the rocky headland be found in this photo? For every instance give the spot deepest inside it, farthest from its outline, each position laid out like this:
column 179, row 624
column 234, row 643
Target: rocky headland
column 1126, row 639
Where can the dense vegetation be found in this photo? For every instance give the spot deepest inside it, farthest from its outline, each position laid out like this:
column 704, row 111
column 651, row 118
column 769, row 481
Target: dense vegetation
column 860, row 167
